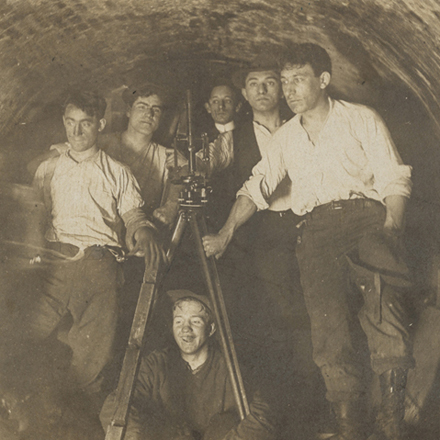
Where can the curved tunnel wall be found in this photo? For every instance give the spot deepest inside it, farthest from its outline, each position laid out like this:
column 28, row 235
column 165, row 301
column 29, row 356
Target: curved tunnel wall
column 385, row 54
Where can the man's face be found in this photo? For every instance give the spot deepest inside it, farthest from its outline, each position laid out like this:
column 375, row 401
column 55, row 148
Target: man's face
column 221, row 104
column 190, row 327
column 262, row 90
column 145, row 114
column 81, row 129
column 302, row 89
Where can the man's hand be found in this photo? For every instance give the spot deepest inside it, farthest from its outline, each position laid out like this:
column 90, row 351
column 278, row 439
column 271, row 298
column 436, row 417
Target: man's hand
column 216, row 244
column 147, row 245
column 167, row 213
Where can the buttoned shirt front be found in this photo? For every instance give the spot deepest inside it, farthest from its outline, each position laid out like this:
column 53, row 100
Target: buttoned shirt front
column 88, row 199
column 353, row 157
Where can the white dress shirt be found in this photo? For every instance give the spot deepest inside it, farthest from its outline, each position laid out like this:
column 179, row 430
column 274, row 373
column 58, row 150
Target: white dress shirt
column 353, row 157
column 224, row 128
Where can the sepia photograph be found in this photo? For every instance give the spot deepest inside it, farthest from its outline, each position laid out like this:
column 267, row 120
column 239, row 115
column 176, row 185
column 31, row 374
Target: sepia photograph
column 219, row 220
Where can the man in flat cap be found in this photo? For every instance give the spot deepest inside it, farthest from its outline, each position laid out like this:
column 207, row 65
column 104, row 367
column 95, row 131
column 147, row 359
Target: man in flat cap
column 184, row 392
column 352, row 187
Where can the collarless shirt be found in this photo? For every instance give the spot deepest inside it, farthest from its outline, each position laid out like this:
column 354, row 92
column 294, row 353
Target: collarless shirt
column 354, row 157
column 151, row 167
column 88, row 199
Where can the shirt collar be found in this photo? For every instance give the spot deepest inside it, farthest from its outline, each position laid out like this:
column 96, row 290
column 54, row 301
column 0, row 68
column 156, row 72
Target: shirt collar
column 86, row 155
column 331, row 102
column 223, row 128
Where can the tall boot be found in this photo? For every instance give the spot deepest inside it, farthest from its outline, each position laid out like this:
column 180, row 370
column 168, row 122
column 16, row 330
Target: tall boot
column 350, row 417
column 389, row 421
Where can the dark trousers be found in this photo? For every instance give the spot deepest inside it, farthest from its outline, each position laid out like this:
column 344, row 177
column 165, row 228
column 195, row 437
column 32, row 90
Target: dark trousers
column 88, row 291
column 331, row 232
column 277, row 292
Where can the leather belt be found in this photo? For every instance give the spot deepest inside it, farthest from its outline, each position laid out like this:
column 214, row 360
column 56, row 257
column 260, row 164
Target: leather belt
column 347, row 204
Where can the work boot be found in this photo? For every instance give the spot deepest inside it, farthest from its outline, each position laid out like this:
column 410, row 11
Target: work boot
column 389, row 420
column 350, row 417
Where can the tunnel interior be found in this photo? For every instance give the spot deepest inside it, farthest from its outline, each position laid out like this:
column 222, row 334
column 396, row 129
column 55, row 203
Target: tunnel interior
column 385, row 54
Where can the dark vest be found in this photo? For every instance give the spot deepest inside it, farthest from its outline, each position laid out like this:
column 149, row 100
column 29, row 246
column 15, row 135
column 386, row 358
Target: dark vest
column 246, row 154
column 226, row 183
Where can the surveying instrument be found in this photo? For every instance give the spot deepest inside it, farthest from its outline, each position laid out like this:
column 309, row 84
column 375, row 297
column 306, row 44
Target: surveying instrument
column 192, row 202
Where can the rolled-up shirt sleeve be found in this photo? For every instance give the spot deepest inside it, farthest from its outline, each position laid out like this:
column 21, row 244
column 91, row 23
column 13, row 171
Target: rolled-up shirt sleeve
column 129, row 203
column 266, row 175
column 391, row 176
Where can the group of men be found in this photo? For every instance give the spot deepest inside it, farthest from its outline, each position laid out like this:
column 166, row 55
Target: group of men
column 325, row 190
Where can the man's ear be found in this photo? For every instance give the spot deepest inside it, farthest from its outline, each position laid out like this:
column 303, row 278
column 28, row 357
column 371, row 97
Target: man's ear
column 208, row 107
column 238, row 107
column 128, row 110
column 102, row 123
column 324, row 80
column 213, row 329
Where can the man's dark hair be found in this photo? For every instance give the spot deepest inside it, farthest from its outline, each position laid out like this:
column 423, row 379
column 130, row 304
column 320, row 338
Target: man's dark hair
column 90, row 102
column 306, row 53
column 219, row 82
column 132, row 93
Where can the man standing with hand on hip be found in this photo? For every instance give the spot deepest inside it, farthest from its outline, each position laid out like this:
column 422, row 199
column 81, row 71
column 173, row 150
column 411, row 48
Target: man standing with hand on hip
column 349, row 182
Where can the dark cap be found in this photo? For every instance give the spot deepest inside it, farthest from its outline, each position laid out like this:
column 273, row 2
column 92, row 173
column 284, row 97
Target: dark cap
column 262, row 62
column 176, row 295
column 381, row 252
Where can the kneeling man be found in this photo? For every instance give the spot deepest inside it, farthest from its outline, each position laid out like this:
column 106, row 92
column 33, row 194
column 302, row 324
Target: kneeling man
column 184, row 391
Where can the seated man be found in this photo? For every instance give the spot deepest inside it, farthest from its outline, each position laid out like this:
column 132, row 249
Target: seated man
column 88, row 197
column 184, row 392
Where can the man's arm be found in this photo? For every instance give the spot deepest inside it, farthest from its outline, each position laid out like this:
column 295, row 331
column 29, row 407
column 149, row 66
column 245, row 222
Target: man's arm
column 266, row 176
column 33, row 165
column 242, row 210
column 169, row 208
column 141, row 237
column 395, row 217
column 392, row 179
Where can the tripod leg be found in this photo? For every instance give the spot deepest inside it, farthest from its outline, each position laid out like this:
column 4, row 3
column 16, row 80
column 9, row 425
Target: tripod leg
column 221, row 300
column 130, row 366
column 222, row 319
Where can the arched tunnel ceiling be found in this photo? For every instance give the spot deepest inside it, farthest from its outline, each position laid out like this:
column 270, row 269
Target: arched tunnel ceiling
column 46, row 45
column 385, row 54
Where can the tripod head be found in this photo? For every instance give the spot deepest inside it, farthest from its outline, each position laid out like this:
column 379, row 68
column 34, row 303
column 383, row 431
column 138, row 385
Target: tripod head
column 195, row 185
